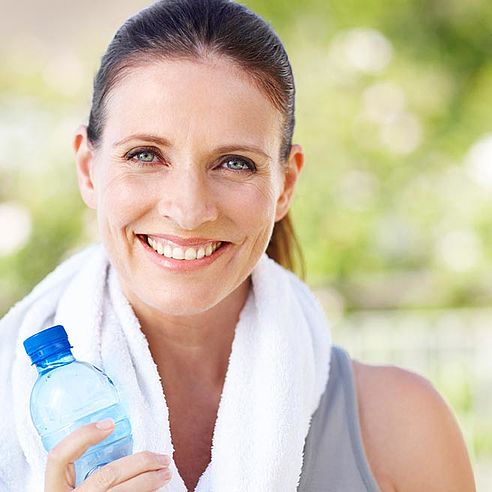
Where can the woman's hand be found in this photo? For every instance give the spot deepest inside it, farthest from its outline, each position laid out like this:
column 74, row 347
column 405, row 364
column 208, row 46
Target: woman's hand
column 144, row 471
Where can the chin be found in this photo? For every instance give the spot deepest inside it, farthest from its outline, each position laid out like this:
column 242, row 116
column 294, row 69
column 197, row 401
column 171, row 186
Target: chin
column 179, row 305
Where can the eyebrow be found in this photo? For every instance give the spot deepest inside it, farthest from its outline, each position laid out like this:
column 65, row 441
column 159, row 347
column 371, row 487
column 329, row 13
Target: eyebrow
column 149, row 138
column 164, row 142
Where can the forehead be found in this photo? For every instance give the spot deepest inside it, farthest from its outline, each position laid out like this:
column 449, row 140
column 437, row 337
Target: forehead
column 212, row 100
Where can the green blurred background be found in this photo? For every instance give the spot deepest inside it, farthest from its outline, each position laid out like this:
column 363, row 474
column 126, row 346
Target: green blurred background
column 394, row 208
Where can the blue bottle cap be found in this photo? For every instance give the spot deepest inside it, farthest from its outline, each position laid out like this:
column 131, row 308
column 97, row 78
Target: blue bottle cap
column 47, row 343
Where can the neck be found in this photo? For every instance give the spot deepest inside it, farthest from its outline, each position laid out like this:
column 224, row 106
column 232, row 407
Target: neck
column 191, row 350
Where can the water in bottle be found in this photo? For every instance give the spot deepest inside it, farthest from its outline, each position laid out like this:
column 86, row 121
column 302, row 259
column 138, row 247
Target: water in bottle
column 69, row 393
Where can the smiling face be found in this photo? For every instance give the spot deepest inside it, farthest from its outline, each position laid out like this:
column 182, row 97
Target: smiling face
column 188, row 159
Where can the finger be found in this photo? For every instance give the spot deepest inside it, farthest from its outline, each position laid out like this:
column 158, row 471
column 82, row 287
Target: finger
column 70, row 449
column 125, row 469
column 145, row 482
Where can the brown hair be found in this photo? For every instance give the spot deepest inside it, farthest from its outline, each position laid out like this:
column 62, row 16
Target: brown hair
column 171, row 29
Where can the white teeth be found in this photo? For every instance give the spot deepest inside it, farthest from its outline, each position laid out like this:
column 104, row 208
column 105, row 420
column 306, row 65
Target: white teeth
column 178, row 253
column 190, row 254
column 168, row 251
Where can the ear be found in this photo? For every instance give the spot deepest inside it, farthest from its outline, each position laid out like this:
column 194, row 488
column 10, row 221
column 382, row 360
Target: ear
column 291, row 174
column 84, row 157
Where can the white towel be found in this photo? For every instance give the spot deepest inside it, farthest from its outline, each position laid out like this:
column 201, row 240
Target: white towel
column 278, row 369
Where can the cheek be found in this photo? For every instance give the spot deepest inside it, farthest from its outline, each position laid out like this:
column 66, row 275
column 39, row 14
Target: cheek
column 125, row 198
column 251, row 205
column 122, row 199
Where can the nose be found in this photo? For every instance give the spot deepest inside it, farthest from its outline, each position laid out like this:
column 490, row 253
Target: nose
column 187, row 199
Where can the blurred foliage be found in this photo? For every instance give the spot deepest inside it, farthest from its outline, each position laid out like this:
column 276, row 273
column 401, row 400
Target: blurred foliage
column 387, row 189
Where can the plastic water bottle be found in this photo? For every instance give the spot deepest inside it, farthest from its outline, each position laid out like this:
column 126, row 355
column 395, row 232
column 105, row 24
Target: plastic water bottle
column 69, row 393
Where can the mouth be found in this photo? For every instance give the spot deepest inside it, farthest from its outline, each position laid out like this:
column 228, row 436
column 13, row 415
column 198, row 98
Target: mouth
column 198, row 253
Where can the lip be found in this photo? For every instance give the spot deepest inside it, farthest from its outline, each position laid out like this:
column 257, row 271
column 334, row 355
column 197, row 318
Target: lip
column 181, row 241
column 181, row 265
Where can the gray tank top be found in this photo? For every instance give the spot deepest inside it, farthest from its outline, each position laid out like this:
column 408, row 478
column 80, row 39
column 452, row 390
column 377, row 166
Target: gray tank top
column 334, row 456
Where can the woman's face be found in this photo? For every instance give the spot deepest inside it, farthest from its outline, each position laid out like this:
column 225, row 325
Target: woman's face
column 189, row 158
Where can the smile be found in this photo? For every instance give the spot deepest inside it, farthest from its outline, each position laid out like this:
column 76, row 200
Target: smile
column 169, row 250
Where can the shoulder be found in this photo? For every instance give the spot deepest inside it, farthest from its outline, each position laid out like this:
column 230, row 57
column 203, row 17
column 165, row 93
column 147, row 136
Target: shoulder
column 412, row 439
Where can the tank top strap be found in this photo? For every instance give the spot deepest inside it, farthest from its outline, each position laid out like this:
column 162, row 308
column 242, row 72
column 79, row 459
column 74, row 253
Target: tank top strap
column 334, row 455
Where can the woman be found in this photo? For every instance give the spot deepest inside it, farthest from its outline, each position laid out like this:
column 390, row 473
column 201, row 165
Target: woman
column 223, row 357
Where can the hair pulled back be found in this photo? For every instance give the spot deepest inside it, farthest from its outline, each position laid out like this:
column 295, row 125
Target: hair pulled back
column 197, row 29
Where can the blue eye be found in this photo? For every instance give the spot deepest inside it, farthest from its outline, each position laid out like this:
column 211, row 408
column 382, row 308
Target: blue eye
column 143, row 156
column 239, row 164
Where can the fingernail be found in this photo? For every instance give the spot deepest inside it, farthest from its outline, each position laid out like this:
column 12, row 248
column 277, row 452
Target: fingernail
column 105, row 424
column 165, row 473
column 164, row 459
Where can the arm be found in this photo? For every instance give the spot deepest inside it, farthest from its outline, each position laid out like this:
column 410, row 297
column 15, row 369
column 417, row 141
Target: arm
column 411, row 436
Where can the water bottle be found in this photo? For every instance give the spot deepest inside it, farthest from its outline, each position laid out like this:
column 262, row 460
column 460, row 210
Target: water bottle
column 69, row 393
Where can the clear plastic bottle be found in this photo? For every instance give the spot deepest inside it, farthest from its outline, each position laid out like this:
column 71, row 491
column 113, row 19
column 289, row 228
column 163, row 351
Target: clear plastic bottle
column 69, row 393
